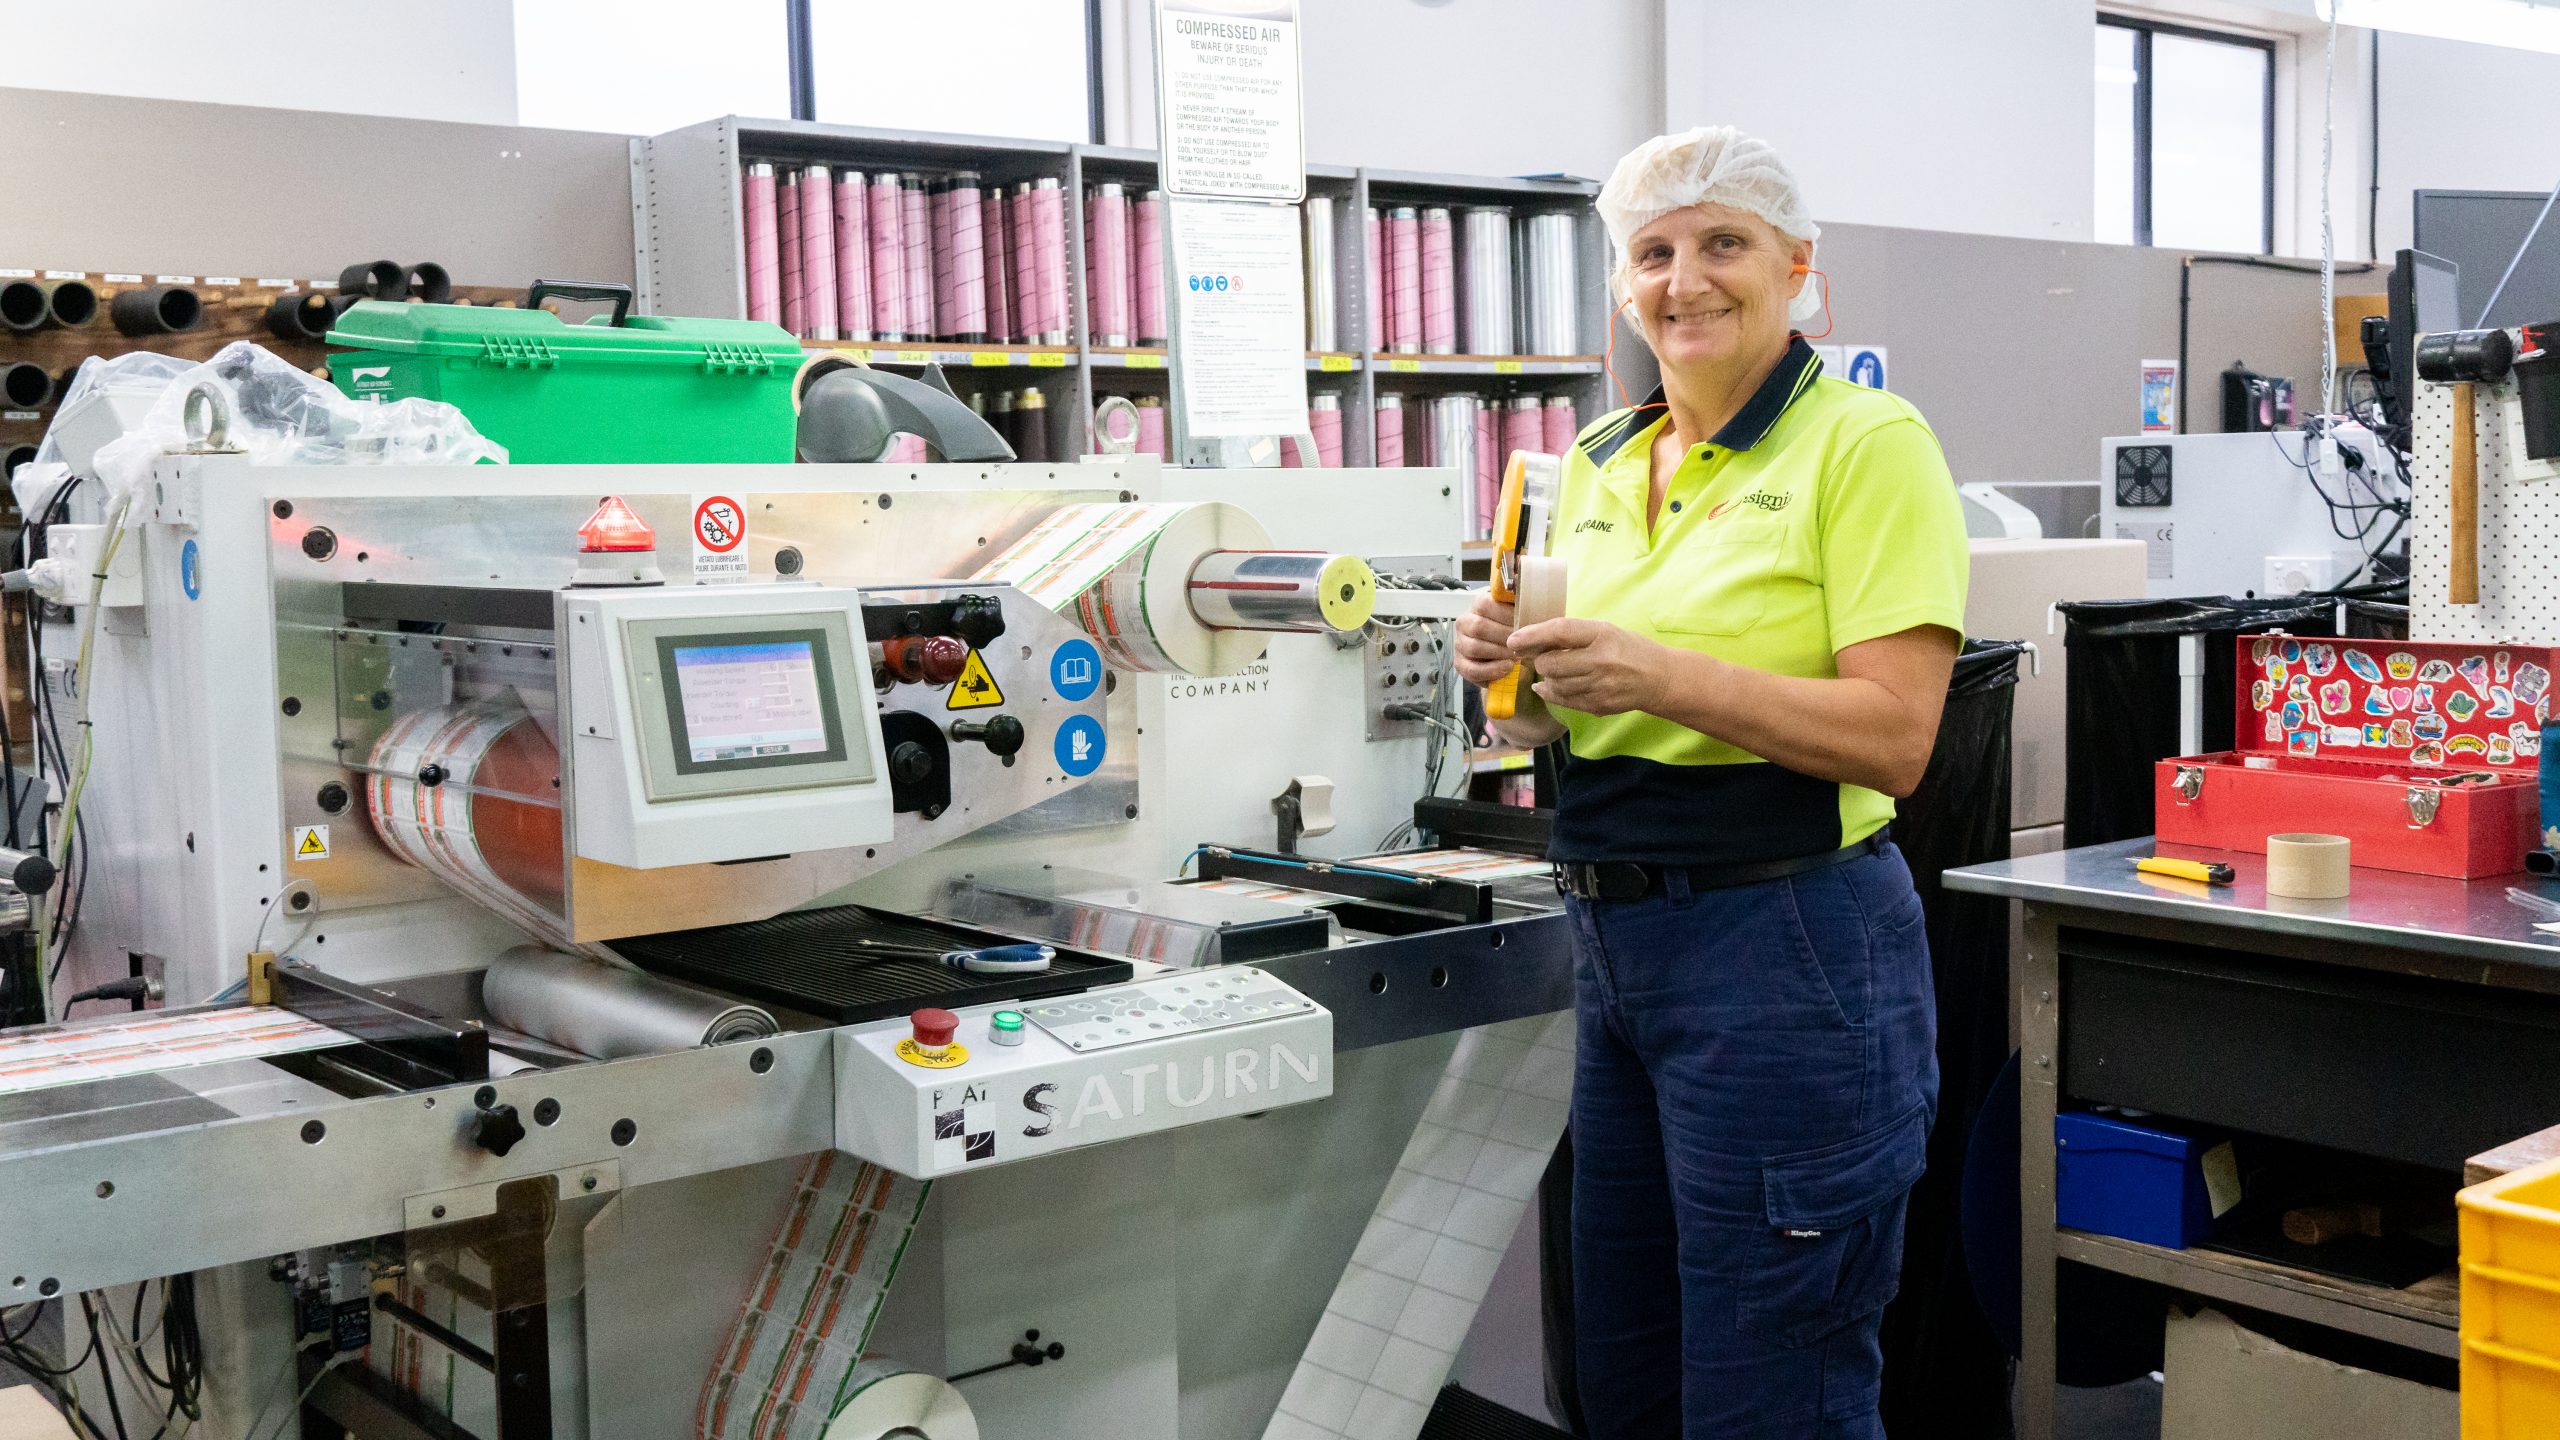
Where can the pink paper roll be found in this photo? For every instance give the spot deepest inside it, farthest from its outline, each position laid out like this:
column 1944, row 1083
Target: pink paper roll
column 1390, row 422
column 915, row 214
column 888, row 258
column 968, row 263
column 853, row 258
column 1049, row 259
column 818, row 252
column 1404, row 279
column 905, row 450
column 1376, row 288
column 764, row 247
column 1562, row 424
column 1488, row 466
column 1151, row 426
column 1146, row 279
column 1289, row 457
column 1439, row 284
column 787, row 208
column 946, row 263
column 1107, row 239
column 1524, row 427
column 996, row 260
column 1021, row 260
column 1325, row 423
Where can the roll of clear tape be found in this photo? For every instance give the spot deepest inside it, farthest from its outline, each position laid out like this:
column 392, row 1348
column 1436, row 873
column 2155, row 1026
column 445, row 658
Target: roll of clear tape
column 1542, row 591
column 608, row 1011
column 1123, row 573
column 886, row 1399
column 488, row 825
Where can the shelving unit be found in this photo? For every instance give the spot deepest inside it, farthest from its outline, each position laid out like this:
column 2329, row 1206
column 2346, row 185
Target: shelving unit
column 690, row 259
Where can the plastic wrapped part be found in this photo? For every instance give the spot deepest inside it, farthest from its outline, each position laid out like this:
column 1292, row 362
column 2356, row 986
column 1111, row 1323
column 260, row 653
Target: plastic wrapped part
column 1946, row 1371
column 278, row 414
column 467, row 793
column 608, row 1011
column 2121, row 710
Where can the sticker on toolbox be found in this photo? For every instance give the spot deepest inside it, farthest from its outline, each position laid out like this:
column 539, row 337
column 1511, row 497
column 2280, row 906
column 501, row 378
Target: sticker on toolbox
column 2502, row 702
column 2460, row 706
column 2363, row 666
column 2400, row 664
column 2336, row 697
column 2261, row 693
column 2319, row 659
column 2342, row 737
column 2475, row 672
column 2530, row 681
column 2502, row 750
column 2435, row 672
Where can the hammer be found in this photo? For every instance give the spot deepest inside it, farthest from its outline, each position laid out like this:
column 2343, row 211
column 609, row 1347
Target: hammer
column 2460, row 359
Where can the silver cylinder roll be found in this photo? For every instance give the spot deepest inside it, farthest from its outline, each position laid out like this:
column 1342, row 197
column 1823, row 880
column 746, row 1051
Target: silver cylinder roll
column 609, row 1012
column 1284, row 590
column 1484, row 283
column 1324, row 330
column 1550, row 266
column 1453, row 435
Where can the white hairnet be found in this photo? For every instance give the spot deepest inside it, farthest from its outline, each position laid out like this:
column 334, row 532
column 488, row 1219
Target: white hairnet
column 1710, row 165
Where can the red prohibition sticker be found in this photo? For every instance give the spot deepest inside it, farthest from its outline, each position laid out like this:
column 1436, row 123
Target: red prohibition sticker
column 719, row 524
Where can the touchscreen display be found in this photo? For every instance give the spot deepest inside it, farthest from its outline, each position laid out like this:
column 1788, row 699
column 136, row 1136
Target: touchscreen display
column 763, row 699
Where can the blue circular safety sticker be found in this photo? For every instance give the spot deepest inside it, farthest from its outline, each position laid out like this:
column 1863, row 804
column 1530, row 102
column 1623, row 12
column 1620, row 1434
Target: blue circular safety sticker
column 1075, row 671
column 187, row 575
column 1080, row 745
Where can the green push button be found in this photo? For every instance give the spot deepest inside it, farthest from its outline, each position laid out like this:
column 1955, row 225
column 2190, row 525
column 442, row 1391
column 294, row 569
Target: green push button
column 1005, row 1027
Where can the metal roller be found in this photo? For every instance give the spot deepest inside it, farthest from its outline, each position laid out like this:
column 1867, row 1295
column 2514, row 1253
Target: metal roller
column 607, row 1011
column 1306, row 591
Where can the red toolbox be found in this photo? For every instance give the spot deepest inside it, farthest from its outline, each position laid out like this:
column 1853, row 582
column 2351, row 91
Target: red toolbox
column 2423, row 755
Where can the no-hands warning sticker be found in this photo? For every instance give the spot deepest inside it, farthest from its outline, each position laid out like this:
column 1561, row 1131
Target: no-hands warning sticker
column 719, row 540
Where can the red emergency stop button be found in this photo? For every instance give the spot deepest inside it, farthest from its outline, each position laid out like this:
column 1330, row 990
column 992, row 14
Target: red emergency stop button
column 934, row 1028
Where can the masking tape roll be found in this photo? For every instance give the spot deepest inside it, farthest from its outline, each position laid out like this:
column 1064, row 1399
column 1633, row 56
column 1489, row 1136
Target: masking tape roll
column 1542, row 590
column 2307, row 867
column 887, row 1399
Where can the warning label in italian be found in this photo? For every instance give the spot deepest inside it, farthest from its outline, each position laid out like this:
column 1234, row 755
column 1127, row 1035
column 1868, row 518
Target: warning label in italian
column 719, row 540
column 976, row 687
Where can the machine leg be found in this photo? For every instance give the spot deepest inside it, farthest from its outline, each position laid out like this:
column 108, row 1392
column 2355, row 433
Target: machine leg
column 2039, row 1082
column 521, row 1338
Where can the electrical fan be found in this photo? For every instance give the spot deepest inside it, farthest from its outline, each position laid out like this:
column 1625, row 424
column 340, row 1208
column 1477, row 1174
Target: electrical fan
column 2142, row 475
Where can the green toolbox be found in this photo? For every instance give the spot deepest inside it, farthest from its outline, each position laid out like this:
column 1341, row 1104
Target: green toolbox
column 624, row 389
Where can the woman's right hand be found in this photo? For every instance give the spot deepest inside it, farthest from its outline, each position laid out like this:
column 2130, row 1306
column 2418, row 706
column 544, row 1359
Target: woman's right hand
column 1484, row 641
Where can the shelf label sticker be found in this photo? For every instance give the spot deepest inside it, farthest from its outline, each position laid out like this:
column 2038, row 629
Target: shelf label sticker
column 1048, row 359
column 1506, row 367
column 719, row 540
column 173, row 279
column 310, row 842
column 72, row 275
column 20, row 415
column 1334, row 364
column 273, row 284
column 976, row 688
column 911, row 357
column 113, row 279
column 222, row 279
column 1146, row 362
column 1408, row 367
column 17, row 274
column 861, row 353
column 985, row 358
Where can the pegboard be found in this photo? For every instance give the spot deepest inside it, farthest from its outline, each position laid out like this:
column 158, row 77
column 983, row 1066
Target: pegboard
column 2519, row 531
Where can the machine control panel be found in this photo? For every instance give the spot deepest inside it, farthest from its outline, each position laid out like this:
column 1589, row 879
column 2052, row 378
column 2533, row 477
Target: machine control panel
column 1064, row 1072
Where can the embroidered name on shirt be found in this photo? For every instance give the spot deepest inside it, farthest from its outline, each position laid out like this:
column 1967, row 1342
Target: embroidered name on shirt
column 1594, row 525
column 1762, row 498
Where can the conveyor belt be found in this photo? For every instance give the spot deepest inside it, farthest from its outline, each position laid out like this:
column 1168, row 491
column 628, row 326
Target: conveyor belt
column 804, row 961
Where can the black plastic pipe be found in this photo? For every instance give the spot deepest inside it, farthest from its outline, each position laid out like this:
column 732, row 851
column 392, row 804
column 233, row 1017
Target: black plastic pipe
column 18, row 455
column 158, row 310
column 24, row 385
column 32, row 305
column 379, row 280
column 302, row 317
column 428, row 282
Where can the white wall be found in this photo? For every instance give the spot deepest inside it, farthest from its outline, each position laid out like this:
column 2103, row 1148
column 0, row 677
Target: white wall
column 1974, row 118
column 2462, row 117
column 451, row 60
column 1469, row 87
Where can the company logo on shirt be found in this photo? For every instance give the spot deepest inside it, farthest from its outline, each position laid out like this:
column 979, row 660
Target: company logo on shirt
column 1762, row 498
column 1600, row 525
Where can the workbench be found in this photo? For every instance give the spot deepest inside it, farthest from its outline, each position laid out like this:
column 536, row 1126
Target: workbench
column 2416, row 1020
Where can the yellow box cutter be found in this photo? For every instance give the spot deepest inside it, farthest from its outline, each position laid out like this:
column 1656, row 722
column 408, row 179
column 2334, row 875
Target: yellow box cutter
column 1520, row 527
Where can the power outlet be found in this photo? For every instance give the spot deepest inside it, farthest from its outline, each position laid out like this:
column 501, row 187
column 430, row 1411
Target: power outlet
column 2294, row 574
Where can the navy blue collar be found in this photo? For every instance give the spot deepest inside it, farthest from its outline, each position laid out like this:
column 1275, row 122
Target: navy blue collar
column 1796, row 371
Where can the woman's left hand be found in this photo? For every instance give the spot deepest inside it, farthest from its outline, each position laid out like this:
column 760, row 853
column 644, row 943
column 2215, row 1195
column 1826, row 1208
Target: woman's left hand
column 1595, row 667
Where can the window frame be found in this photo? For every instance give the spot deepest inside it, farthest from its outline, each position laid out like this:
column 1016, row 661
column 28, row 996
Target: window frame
column 2144, row 29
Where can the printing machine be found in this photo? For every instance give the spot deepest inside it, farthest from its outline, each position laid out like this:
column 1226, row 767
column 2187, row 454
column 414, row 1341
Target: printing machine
column 261, row 633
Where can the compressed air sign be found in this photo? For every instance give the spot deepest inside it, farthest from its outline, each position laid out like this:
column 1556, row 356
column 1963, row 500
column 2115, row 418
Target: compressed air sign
column 1227, row 99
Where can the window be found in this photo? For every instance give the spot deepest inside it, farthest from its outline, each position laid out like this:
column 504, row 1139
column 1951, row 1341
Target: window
column 642, row 67
column 2185, row 137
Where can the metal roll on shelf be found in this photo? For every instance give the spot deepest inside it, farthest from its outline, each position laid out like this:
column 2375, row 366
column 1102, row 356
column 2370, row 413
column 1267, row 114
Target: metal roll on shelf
column 1484, row 282
column 608, row 1011
column 1454, row 434
column 157, row 310
column 1550, row 272
column 1324, row 331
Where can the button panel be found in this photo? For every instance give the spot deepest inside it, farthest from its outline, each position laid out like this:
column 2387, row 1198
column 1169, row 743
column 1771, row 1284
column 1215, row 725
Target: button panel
column 1180, row 1004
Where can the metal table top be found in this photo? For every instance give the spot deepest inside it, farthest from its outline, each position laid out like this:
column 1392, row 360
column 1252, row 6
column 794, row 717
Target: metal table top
column 2461, row 919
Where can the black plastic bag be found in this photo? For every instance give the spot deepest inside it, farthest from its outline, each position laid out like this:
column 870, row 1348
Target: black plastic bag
column 2121, row 715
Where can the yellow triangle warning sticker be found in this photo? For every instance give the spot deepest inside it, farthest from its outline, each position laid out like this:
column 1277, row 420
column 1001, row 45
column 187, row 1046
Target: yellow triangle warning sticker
column 310, row 842
column 976, row 688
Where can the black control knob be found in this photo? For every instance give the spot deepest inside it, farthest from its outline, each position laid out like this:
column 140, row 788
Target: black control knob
column 1001, row 735
column 978, row 619
column 496, row 1129
column 910, row 763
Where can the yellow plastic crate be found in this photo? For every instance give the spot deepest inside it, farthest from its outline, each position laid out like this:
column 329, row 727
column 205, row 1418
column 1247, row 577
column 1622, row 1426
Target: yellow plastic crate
column 2511, row 1306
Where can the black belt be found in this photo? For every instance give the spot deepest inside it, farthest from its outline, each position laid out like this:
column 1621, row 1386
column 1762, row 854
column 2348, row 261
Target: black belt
column 1622, row 880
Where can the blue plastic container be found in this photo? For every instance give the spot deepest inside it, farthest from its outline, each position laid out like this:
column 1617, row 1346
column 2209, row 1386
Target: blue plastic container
column 2137, row 1182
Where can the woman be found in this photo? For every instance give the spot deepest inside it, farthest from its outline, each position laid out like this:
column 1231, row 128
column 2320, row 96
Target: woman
column 1766, row 571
